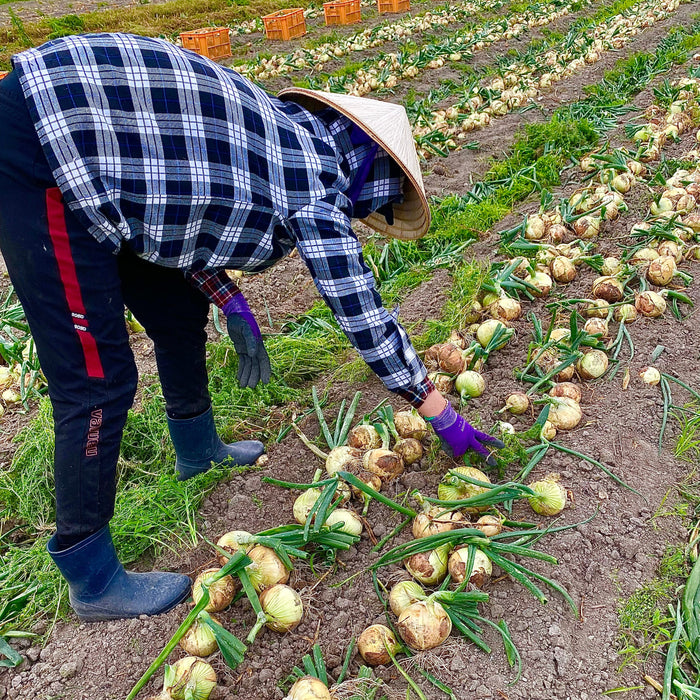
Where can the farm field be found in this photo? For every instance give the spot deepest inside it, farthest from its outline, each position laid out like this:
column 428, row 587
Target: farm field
column 560, row 148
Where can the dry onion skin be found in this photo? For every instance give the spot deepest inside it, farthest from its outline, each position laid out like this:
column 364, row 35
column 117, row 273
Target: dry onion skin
column 364, row 437
column 490, row 525
column 403, row 594
column 375, row 643
column 433, row 520
column 650, row 375
column 309, row 688
column 481, row 568
column 661, row 271
column 592, row 365
column 410, row 450
column 450, row 359
column 566, row 389
column 608, row 288
column 283, row 607
column 386, row 464
column 548, row 432
column 650, row 304
column 506, row 309
column 429, row 568
column 410, row 425
column 564, row 413
column 221, row 592
column 424, row 625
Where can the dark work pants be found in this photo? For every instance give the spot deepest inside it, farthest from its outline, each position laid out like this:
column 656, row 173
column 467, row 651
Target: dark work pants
column 73, row 291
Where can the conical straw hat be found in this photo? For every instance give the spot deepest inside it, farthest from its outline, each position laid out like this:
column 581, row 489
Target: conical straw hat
column 388, row 125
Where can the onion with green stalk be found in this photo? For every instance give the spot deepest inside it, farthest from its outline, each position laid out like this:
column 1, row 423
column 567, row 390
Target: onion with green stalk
column 486, row 331
column 549, row 498
column 221, row 590
column 470, row 384
column 596, row 326
column 199, row 640
column 410, row 450
column 490, row 525
column 282, row 607
column 548, row 431
column 266, row 569
column 443, row 382
column 340, row 458
column 596, row 308
column 593, row 364
column 433, row 519
column 481, row 568
column 452, row 488
column 625, row 313
column 662, row 270
column 517, row 403
column 377, row 644
column 189, row 678
column 424, row 625
column 403, row 594
column 608, row 288
column 363, row 437
column 304, row 503
column 233, row 541
column 429, row 568
column 506, row 309
column 562, row 269
column 564, row 413
column 351, row 522
column 650, row 304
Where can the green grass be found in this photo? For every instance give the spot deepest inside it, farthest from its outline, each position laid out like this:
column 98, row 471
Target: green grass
column 645, row 625
column 688, row 444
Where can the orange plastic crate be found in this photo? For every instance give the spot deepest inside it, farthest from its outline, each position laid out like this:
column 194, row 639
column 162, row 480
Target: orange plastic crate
column 342, row 11
column 3, row 73
column 393, row 5
column 285, row 24
column 212, row 42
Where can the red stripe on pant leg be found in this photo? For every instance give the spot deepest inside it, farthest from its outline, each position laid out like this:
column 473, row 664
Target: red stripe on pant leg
column 69, row 277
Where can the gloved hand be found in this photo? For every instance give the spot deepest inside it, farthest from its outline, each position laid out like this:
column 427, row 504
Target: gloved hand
column 457, row 436
column 253, row 362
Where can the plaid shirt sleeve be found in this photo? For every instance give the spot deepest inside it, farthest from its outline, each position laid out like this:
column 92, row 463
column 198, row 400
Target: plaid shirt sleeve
column 333, row 254
column 216, row 285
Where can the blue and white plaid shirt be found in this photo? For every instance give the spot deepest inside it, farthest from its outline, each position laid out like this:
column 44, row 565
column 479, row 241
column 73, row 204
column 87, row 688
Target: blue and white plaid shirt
column 194, row 167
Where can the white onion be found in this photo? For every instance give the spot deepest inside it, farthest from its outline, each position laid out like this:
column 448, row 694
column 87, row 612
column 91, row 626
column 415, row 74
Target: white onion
column 424, row 625
column 373, row 643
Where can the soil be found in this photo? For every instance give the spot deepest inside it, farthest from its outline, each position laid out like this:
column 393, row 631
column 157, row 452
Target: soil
column 617, row 538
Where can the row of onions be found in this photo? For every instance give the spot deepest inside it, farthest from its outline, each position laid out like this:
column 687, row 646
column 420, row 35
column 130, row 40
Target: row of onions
column 400, row 31
column 524, row 80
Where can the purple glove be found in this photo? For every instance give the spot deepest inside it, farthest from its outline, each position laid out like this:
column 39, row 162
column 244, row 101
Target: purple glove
column 457, row 436
column 243, row 329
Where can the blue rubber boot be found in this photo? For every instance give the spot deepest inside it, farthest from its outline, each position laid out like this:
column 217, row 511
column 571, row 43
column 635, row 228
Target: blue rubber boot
column 100, row 588
column 198, row 447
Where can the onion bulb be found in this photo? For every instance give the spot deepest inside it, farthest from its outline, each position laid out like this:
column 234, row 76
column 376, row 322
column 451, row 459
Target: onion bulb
column 364, row 437
column 304, row 503
column 608, row 288
column 486, row 330
column 410, row 425
column 375, row 643
column 352, row 523
column 611, row 266
column 403, row 594
column 266, row 569
column 283, row 607
column 564, row 413
column 661, row 270
column 199, row 640
column 221, row 592
column 596, row 326
column 410, row 450
column 443, row 382
column 232, row 542
column 625, row 313
column 189, row 678
column 549, row 498
column 596, row 308
column 650, row 375
column 450, row 359
column 309, row 688
column 562, row 269
column 548, row 432
column 386, row 464
column 506, row 309
column 481, row 569
column 650, row 304
column 470, row 384
column 434, row 519
column 340, row 457
column 490, row 525
column 542, row 283
column 424, row 625
column 452, row 488
column 517, row 403
column 566, row 389
column 593, row 364
column 429, row 568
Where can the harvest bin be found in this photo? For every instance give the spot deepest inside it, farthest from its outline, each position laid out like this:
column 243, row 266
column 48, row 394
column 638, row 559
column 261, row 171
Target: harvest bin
column 212, row 42
column 393, row 5
column 342, row 12
column 285, row 24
